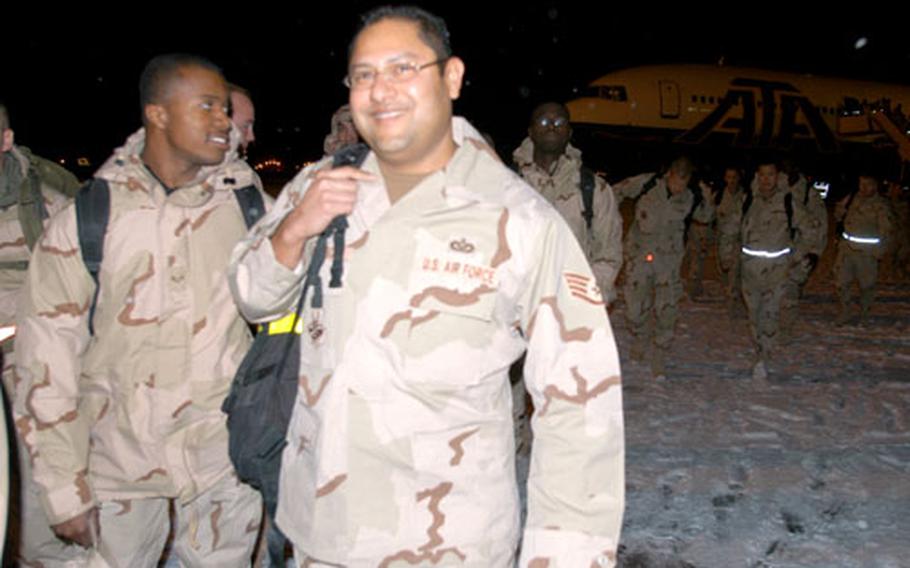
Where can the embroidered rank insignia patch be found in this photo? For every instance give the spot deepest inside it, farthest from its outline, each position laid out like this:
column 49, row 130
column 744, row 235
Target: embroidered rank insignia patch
column 584, row 288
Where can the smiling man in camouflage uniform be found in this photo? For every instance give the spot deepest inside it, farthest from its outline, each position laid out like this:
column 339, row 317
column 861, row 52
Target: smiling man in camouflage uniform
column 120, row 405
column 400, row 448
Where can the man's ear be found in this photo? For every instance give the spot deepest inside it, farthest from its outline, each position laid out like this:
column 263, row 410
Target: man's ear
column 7, row 143
column 155, row 116
column 453, row 74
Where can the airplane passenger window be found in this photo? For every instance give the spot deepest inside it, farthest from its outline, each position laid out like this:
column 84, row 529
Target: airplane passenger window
column 852, row 107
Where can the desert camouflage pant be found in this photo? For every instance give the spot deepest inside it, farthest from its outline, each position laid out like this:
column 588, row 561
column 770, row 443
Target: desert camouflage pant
column 697, row 241
column 765, row 282
column 36, row 545
column 648, row 289
column 855, row 265
column 218, row 528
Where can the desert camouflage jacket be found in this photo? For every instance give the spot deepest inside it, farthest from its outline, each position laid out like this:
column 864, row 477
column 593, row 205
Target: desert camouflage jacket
column 134, row 410
column 603, row 242
column 766, row 229
column 659, row 224
column 866, row 218
column 400, row 449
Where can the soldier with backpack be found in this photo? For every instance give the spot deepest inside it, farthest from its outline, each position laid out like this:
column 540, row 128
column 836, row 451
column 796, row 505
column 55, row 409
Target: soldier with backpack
column 654, row 253
column 552, row 166
column 771, row 229
column 128, row 338
column 865, row 219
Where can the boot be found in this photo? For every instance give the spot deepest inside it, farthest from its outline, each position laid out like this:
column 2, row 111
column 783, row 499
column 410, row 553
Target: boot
column 759, row 371
column 658, row 371
column 843, row 316
column 865, row 303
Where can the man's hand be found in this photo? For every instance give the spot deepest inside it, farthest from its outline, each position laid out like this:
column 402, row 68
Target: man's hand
column 79, row 529
column 707, row 192
column 333, row 192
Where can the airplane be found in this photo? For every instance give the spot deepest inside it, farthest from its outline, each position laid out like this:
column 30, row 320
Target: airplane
column 744, row 108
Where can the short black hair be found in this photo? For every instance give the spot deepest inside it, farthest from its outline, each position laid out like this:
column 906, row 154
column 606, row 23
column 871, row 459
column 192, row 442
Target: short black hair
column 431, row 28
column 4, row 117
column 161, row 69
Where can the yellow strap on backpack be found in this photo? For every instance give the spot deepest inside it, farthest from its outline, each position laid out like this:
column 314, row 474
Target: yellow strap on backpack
column 282, row 325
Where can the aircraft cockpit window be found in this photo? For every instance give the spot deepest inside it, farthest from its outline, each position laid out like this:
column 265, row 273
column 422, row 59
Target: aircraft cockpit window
column 852, row 107
column 614, row 93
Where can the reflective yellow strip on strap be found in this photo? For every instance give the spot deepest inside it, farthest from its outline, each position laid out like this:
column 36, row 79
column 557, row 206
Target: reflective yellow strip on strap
column 283, row 325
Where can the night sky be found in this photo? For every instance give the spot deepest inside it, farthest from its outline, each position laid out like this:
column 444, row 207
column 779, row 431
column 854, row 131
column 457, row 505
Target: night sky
column 70, row 78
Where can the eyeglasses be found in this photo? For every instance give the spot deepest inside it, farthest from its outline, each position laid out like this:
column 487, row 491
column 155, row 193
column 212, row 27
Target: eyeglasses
column 400, row 72
column 558, row 122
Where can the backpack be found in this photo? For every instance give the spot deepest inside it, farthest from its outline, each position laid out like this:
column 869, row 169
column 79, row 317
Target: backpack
column 93, row 211
column 262, row 395
column 788, row 207
column 31, row 208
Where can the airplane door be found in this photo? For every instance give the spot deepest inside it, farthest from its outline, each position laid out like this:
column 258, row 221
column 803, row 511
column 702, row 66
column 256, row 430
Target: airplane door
column 669, row 99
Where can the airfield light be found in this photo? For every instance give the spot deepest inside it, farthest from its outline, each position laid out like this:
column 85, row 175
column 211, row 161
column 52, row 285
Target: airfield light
column 649, row 257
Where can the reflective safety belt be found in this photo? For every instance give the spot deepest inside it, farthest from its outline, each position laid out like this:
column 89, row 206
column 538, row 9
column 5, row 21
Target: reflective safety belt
column 861, row 240
column 766, row 253
column 282, row 325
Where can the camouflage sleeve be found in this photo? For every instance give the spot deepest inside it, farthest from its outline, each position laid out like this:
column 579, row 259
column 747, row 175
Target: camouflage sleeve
column 806, row 230
column 729, row 227
column 57, row 177
column 630, row 187
column 606, row 243
column 576, row 483
column 817, row 239
column 52, row 337
column 263, row 288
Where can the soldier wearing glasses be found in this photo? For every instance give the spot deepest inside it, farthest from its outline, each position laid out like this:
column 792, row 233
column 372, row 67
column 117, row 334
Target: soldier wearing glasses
column 552, row 166
column 400, row 447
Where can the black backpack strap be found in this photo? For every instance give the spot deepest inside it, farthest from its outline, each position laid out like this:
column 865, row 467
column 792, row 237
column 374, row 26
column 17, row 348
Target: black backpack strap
column 252, row 206
column 93, row 210
column 648, row 186
column 586, row 185
column 747, row 203
column 696, row 201
column 788, row 207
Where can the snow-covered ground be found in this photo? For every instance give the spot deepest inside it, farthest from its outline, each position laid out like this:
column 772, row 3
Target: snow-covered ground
column 810, row 467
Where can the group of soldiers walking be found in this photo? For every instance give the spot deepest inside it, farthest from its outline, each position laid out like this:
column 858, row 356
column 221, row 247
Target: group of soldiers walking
column 770, row 235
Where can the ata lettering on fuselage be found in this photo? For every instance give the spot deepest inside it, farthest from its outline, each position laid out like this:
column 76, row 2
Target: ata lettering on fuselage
column 774, row 96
